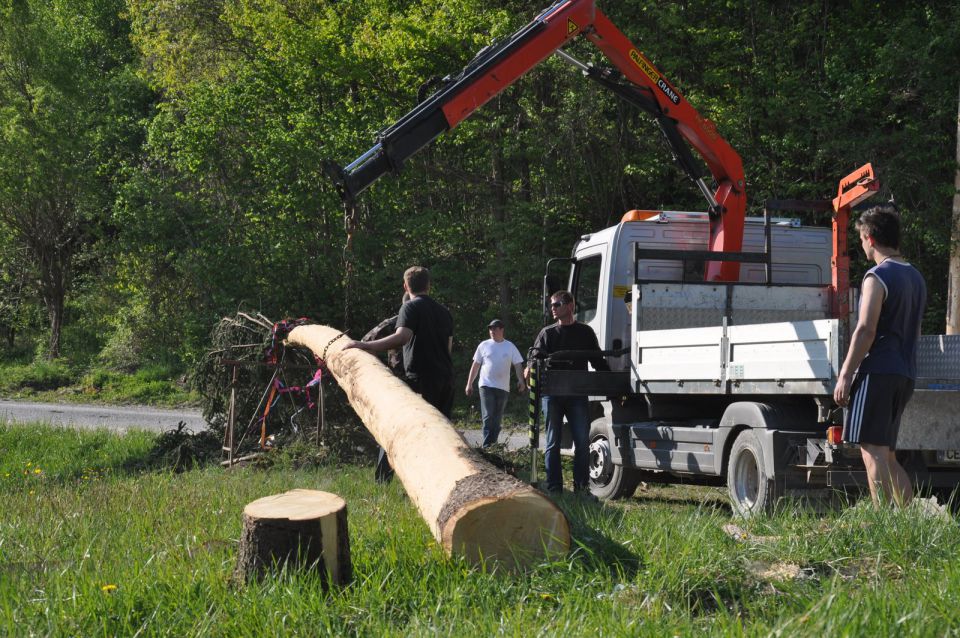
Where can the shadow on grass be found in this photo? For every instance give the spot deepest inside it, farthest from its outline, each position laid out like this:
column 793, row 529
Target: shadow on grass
column 586, row 517
column 682, row 494
column 591, row 545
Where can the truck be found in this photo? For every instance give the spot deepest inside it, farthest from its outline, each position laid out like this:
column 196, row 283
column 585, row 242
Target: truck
column 724, row 357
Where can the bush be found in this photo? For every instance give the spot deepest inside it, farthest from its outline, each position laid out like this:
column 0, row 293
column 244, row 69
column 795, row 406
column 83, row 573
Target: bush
column 181, row 449
column 153, row 385
column 38, row 376
column 149, row 392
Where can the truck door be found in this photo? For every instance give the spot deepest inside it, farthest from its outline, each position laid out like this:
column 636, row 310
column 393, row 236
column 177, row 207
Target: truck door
column 588, row 283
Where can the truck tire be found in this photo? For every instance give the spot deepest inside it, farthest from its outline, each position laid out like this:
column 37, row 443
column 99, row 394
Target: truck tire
column 751, row 490
column 608, row 481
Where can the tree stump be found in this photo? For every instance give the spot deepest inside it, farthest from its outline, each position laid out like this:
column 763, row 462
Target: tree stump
column 303, row 529
column 473, row 509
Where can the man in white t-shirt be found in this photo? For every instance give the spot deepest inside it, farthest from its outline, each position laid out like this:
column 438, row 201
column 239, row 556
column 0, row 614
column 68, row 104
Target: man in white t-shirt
column 492, row 362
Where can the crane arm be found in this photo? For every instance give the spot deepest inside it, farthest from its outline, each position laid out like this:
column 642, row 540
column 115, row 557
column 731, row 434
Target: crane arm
column 501, row 64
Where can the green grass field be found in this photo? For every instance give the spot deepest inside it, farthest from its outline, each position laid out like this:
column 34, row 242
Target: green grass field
column 56, row 381
column 93, row 543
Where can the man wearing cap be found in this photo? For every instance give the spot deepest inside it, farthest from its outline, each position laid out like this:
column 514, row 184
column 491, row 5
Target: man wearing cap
column 492, row 362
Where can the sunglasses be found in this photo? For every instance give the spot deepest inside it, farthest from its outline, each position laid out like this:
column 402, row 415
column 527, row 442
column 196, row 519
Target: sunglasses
column 557, row 304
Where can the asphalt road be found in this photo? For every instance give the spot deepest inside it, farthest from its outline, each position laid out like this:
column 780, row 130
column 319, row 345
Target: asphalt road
column 119, row 418
column 122, row 418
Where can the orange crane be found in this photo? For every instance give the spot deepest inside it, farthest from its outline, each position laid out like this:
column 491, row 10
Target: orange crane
column 634, row 78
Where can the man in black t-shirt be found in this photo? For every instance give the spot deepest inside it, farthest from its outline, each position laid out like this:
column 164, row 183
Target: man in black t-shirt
column 567, row 334
column 425, row 331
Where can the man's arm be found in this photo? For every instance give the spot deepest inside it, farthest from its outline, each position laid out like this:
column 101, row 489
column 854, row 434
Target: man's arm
column 521, row 372
column 871, row 302
column 598, row 362
column 398, row 339
column 474, row 371
column 539, row 346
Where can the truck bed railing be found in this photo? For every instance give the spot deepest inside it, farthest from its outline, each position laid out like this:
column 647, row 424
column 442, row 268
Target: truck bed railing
column 797, row 357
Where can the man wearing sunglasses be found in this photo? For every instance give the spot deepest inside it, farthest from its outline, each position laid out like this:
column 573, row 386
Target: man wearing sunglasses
column 567, row 334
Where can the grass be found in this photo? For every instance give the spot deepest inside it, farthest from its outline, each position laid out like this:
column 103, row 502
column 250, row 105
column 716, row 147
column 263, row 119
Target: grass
column 93, row 544
column 56, row 381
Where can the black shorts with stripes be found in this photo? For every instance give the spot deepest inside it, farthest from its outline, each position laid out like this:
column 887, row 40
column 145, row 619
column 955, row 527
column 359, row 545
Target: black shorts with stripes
column 876, row 404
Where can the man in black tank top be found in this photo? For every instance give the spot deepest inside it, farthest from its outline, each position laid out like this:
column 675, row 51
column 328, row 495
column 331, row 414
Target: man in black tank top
column 877, row 377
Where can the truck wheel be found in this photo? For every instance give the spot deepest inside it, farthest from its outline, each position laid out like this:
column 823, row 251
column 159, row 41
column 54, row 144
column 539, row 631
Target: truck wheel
column 608, row 481
column 751, row 491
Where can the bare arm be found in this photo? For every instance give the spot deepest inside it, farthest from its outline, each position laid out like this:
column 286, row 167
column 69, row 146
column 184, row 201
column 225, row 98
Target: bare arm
column 521, row 375
column 862, row 339
column 472, row 376
column 398, row 339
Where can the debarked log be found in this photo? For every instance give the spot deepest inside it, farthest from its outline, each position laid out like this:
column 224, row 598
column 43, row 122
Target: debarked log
column 302, row 529
column 473, row 509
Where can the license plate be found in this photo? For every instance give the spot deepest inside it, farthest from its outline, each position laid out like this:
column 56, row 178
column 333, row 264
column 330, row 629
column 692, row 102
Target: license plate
column 948, row 456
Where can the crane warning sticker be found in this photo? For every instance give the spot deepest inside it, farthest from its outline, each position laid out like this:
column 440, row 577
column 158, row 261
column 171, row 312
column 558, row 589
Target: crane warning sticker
column 571, row 27
column 644, row 65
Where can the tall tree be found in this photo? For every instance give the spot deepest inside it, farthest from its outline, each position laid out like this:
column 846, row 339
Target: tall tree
column 64, row 95
column 953, row 283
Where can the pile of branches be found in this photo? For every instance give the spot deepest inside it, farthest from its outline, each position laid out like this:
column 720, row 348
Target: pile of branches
column 262, row 363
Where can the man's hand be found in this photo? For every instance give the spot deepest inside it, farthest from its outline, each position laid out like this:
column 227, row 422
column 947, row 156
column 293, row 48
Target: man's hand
column 359, row 345
column 469, row 389
column 521, row 386
column 841, row 393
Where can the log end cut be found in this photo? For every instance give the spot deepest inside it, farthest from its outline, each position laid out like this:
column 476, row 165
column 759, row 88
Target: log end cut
column 306, row 529
column 517, row 531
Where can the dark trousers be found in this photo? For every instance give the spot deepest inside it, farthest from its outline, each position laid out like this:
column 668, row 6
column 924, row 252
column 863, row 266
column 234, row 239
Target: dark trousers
column 438, row 392
column 492, row 403
column 577, row 411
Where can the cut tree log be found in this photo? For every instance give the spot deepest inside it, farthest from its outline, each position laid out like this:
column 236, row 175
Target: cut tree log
column 305, row 529
column 473, row 509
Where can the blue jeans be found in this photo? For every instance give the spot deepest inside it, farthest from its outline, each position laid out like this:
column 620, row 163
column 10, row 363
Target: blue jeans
column 577, row 411
column 492, row 403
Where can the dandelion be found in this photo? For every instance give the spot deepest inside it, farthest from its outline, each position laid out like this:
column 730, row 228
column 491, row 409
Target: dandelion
column 107, row 589
column 37, row 471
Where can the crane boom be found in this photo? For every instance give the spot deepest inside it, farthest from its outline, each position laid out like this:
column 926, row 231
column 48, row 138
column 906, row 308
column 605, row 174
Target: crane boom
column 501, row 64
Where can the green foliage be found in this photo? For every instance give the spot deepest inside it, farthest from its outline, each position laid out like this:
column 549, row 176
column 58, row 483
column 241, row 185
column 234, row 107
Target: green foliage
column 34, row 377
column 30, row 455
column 192, row 137
column 69, row 118
column 149, row 385
column 180, row 449
column 45, row 379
